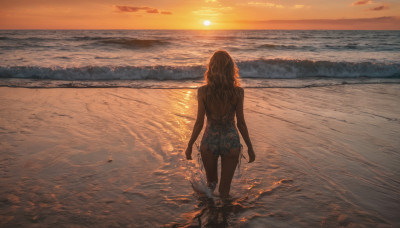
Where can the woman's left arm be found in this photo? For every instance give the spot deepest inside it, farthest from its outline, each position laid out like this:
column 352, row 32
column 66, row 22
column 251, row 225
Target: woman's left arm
column 198, row 125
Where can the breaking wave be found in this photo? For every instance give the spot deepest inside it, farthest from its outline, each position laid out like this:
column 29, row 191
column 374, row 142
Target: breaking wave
column 262, row 68
column 279, row 68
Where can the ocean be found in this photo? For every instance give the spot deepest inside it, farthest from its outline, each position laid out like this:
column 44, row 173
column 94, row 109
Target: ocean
column 161, row 55
column 94, row 125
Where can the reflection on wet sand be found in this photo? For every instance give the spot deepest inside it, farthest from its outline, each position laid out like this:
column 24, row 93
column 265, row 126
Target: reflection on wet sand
column 212, row 213
column 215, row 212
column 326, row 156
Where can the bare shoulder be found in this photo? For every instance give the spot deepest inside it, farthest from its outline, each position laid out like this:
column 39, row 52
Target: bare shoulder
column 201, row 91
column 202, row 88
column 240, row 91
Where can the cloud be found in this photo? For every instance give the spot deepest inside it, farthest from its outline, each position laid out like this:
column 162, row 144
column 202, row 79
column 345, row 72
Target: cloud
column 207, row 12
column 365, row 2
column 211, row 11
column 298, row 6
column 266, row 4
column 377, row 8
column 362, row 2
column 133, row 9
column 130, row 8
column 325, row 21
column 207, row 1
column 353, row 23
column 152, row 11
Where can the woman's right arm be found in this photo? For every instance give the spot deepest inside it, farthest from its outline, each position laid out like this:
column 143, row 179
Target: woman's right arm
column 241, row 124
column 198, row 124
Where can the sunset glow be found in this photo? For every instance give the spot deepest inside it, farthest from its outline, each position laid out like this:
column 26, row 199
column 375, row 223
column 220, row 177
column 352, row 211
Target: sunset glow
column 179, row 14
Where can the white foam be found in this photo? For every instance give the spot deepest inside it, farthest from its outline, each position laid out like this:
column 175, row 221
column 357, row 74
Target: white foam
column 269, row 68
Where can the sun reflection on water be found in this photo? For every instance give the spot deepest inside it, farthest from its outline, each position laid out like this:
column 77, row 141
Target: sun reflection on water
column 183, row 108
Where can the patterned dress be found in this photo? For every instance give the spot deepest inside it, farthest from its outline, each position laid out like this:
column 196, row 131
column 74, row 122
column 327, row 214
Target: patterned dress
column 221, row 136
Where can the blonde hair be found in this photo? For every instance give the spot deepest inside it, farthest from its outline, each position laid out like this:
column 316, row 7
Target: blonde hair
column 222, row 77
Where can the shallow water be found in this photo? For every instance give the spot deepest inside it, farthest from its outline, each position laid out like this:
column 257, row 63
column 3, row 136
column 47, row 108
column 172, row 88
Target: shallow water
column 326, row 156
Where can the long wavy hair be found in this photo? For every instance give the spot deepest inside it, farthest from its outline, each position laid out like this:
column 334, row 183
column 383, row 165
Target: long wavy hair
column 222, row 77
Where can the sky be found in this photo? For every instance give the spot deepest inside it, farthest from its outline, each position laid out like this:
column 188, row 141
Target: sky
column 191, row 14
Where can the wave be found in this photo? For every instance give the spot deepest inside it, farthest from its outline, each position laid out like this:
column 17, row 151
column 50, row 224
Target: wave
column 122, row 41
column 217, row 37
column 134, row 43
column 35, row 39
column 193, row 83
column 277, row 46
column 279, row 68
column 349, row 46
column 102, row 57
column 91, row 38
column 262, row 68
column 103, row 72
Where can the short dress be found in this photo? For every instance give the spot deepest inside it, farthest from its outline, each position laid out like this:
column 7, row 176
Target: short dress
column 221, row 136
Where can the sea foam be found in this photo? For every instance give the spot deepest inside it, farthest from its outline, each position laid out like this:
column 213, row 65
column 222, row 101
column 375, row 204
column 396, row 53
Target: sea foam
column 262, row 68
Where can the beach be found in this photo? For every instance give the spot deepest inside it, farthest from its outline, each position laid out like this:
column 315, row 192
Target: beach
column 327, row 156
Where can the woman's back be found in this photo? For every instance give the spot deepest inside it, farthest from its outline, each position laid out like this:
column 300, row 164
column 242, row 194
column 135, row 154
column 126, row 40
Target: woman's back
column 219, row 110
column 220, row 136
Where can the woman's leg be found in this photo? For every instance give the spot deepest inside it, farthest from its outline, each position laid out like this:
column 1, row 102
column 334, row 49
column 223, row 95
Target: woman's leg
column 210, row 162
column 228, row 166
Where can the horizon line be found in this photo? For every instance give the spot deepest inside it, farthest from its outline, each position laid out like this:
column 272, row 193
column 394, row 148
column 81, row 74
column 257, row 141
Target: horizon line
column 1, row 29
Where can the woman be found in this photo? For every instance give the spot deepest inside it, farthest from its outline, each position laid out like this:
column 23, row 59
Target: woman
column 220, row 99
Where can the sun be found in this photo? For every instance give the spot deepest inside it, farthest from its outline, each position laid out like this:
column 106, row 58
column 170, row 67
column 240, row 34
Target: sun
column 206, row 23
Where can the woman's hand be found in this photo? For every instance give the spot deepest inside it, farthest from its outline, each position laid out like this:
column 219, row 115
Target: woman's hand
column 252, row 155
column 188, row 153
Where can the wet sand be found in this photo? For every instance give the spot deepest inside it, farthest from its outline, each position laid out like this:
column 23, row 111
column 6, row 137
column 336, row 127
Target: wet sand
column 326, row 156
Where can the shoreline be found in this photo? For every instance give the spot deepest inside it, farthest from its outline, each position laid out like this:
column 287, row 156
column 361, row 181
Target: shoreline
column 192, row 84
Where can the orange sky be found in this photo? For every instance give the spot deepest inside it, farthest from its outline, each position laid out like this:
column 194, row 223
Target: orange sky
column 190, row 14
